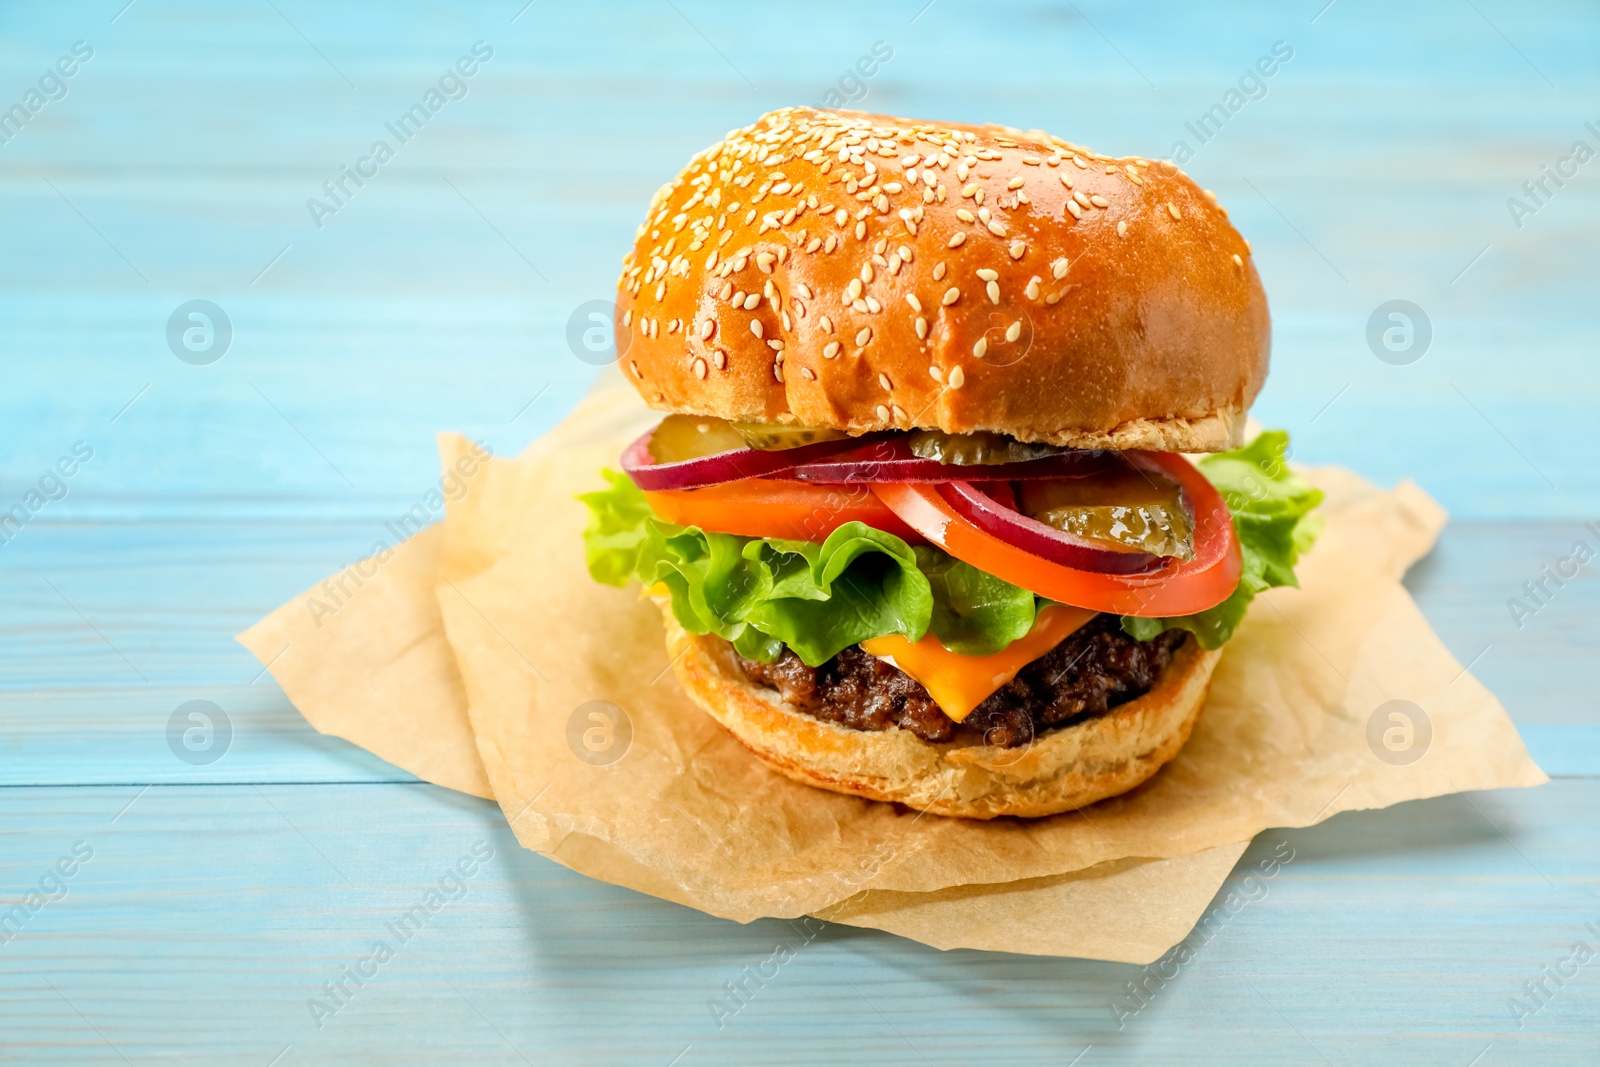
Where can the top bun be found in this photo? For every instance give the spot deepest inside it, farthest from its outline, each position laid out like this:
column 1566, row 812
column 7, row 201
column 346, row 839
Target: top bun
column 862, row 272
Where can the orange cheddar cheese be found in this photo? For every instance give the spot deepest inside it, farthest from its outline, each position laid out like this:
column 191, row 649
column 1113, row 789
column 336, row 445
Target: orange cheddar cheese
column 960, row 683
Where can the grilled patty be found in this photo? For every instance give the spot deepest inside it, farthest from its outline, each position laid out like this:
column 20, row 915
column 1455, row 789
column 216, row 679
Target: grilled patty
column 1094, row 670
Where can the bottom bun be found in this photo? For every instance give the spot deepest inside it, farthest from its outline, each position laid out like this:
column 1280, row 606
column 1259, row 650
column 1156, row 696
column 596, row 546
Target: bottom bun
column 1066, row 768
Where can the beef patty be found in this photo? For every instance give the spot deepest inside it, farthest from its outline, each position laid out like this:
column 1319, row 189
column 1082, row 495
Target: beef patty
column 1094, row 670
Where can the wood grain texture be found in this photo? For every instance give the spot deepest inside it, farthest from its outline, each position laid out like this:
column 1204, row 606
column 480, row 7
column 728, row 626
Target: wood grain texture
column 1376, row 166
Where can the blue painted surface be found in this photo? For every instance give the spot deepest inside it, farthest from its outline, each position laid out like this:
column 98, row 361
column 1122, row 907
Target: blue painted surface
column 1376, row 166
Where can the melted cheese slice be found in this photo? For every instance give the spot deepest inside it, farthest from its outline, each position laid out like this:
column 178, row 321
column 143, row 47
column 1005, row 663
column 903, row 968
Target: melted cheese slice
column 960, row 683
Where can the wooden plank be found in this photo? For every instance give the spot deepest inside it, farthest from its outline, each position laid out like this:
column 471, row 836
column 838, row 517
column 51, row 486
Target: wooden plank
column 170, row 942
column 160, row 603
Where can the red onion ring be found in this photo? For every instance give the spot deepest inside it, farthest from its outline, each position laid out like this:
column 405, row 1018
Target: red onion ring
column 972, row 503
column 728, row 466
column 893, row 461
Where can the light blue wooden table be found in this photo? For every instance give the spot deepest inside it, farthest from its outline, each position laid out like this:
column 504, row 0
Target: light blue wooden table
column 207, row 903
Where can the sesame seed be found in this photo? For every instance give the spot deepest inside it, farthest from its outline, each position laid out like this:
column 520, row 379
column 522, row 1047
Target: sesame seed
column 1099, row 201
column 1018, row 249
column 1066, row 179
column 988, row 275
column 777, row 346
column 1032, row 290
column 970, row 189
column 711, row 260
column 1072, row 206
column 707, row 328
column 996, row 228
column 861, row 231
column 883, row 380
column 637, row 373
column 981, row 347
column 1030, row 161
column 700, row 369
column 853, row 290
column 993, row 289
column 830, row 350
column 1083, row 201
column 911, row 298
column 883, row 413
column 897, row 413
column 1172, row 209
column 873, row 305
column 1237, row 262
column 964, row 215
column 826, row 323
column 938, row 271
column 810, row 375
column 830, row 244
column 1014, row 183
column 863, row 335
column 1052, row 298
column 1058, row 269
column 1079, row 163
column 627, row 317
column 935, row 373
column 841, row 217
column 951, row 295
column 922, row 328
column 859, row 305
column 958, row 377
column 755, row 327
column 720, row 358
column 1122, row 229
column 905, row 253
column 751, row 302
column 956, row 240
column 764, row 261
column 777, row 372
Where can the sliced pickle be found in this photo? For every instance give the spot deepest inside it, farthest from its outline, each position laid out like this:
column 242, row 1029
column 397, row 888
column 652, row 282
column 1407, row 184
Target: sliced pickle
column 775, row 436
column 681, row 437
column 976, row 449
column 1124, row 506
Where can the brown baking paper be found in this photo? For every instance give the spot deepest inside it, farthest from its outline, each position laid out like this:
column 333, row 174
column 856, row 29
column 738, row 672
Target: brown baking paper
column 864, row 873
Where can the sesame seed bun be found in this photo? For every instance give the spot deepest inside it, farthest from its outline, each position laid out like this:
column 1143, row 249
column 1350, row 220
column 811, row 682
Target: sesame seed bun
column 807, row 269
column 1064, row 769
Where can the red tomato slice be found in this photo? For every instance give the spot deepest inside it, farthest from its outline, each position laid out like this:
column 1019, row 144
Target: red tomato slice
column 1179, row 588
column 778, row 507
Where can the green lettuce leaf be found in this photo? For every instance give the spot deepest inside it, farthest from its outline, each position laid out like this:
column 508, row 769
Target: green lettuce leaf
column 974, row 613
column 762, row 593
column 1271, row 509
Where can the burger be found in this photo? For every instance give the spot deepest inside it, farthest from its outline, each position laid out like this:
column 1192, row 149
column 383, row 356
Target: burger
column 920, row 514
